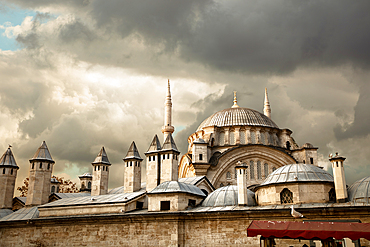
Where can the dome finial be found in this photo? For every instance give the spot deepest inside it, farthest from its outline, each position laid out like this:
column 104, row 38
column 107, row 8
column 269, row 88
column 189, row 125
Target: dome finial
column 235, row 101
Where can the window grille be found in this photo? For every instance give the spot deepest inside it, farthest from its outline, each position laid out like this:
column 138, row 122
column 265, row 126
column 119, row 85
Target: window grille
column 286, row 196
column 251, row 164
column 232, row 138
column 222, row 139
column 253, row 137
column 242, row 137
column 259, row 173
column 266, row 168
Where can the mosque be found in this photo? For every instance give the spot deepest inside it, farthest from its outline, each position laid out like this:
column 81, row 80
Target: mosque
column 243, row 181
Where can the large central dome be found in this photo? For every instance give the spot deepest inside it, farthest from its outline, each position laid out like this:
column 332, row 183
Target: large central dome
column 237, row 116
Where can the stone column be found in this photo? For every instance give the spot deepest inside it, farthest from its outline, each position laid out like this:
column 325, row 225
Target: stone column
column 237, row 135
column 248, row 136
column 227, row 135
column 241, row 169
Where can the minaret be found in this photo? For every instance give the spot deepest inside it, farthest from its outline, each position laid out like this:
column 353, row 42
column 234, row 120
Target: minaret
column 167, row 128
column 169, row 160
column 266, row 107
column 339, row 178
column 41, row 168
column 8, row 174
column 241, row 170
column 235, row 101
column 100, row 174
column 153, row 164
column 132, row 161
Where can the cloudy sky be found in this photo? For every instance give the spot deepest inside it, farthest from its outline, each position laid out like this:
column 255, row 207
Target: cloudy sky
column 81, row 74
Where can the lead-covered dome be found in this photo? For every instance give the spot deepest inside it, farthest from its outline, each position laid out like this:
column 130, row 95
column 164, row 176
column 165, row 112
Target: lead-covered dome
column 359, row 191
column 227, row 196
column 298, row 173
column 237, row 116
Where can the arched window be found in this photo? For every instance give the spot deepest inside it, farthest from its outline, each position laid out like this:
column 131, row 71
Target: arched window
column 242, row 137
column 259, row 172
column 253, row 137
column 221, row 185
column 3, row 170
column 40, row 165
column 221, row 139
column 251, row 164
column 332, row 196
column 83, row 185
column 286, row 196
column 53, row 189
column 263, row 141
column 288, row 145
column 266, row 169
column 228, row 175
column 232, row 138
column 48, row 166
column 89, row 185
column 33, row 165
column 11, row 171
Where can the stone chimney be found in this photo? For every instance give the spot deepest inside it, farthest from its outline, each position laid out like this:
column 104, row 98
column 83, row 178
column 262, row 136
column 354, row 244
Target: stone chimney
column 169, row 160
column 153, row 164
column 241, row 170
column 41, row 168
column 8, row 175
column 100, row 174
column 85, row 182
column 132, row 161
column 339, row 178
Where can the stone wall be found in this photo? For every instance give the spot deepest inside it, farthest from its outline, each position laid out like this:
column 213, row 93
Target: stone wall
column 160, row 229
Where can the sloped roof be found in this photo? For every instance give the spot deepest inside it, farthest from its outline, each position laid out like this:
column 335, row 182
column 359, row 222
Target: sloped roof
column 71, row 195
column 155, row 146
column 5, row 212
column 22, row 214
column 121, row 189
column 102, row 157
column 91, row 200
column 8, row 159
column 132, row 152
column 169, row 144
column 195, row 180
column 43, row 153
column 175, row 187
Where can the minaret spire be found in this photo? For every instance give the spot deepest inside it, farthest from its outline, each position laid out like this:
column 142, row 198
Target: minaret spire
column 266, row 107
column 235, row 101
column 168, row 128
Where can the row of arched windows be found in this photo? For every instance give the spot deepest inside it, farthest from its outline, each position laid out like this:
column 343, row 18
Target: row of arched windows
column 262, row 170
column 265, row 138
column 33, row 166
column 104, row 168
column 11, row 171
column 286, row 196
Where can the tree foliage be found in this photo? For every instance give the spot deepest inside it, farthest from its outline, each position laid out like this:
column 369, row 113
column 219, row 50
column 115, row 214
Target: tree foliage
column 65, row 186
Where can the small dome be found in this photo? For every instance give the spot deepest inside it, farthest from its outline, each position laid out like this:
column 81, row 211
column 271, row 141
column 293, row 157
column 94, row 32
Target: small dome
column 298, row 173
column 237, row 116
column 307, row 145
column 359, row 191
column 176, row 187
column 226, row 196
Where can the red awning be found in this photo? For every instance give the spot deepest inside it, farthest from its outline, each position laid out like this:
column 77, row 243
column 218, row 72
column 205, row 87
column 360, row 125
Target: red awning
column 309, row 230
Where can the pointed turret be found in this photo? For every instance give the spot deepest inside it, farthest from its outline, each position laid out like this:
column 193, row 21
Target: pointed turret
column 132, row 161
column 168, row 128
column 8, row 175
column 41, row 168
column 169, row 157
column 153, row 164
column 100, row 174
column 266, row 108
column 235, row 101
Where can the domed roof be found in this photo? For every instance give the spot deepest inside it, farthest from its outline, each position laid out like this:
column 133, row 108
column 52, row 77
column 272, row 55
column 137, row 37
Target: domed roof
column 237, row 116
column 298, row 173
column 359, row 191
column 226, row 196
column 175, row 187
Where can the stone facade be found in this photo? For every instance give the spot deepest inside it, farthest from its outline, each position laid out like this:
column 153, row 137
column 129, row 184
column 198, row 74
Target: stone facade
column 177, row 201
column 302, row 193
column 161, row 229
column 8, row 176
column 39, row 183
